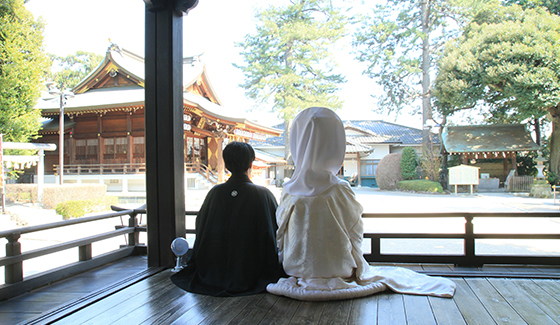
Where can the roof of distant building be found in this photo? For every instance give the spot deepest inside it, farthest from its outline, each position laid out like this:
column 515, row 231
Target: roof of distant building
column 366, row 132
column 488, row 138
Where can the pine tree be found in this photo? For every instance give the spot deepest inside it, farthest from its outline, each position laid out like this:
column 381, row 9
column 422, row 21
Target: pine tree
column 287, row 60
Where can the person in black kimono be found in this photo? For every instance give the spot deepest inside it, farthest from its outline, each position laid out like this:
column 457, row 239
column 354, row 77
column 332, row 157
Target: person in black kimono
column 235, row 251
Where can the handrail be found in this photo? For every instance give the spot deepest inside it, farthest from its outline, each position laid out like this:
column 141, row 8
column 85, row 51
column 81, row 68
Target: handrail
column 13, row 261
column 203, row 170
column 88, row 169
column 52, row 225
column 469, row 236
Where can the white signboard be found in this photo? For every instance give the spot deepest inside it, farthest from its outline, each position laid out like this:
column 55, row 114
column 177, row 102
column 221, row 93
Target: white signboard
column 463, row 175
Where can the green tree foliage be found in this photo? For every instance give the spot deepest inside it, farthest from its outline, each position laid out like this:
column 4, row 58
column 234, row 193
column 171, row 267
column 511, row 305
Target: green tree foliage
column 509, row 60
column 393, row 38
column 552, row 5
column 287, row 62
column 409, row 163
column 22, row 67
column 67, row 72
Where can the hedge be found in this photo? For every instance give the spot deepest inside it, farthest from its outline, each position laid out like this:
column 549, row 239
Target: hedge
column 78, row 208
column 54, row 194
column 421, row 185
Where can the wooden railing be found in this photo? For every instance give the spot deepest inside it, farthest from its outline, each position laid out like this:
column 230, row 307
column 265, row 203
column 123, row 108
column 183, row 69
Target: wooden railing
column 16, row 284
column 202, row 170
column 468, row 237
column 100, row 169
column 520, row 183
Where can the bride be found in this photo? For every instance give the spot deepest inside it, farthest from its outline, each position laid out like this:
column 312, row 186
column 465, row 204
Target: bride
column 320, row 226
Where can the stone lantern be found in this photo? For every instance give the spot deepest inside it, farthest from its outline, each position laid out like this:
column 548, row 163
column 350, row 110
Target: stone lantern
column 540, row 166
column 540, row 188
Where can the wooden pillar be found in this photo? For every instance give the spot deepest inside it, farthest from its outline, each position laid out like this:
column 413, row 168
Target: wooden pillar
column 359, row 169
column 219, row 154
column 505, row 163
column 165, row 188
column 100, row 159
column 514, row 161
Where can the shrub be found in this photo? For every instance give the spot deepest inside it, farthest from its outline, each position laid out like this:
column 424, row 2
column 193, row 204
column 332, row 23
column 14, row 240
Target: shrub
column 24, row 193
column 78, row 208
column 55, row 194
column 409, row 163
column 421, row 185
column 388, row 173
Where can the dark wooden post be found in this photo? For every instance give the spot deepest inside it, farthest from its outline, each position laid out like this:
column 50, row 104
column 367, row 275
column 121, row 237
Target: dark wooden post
column 133, row 238
column 84, row 252
column 469, row 242
column 14, row 272
column 165, row 187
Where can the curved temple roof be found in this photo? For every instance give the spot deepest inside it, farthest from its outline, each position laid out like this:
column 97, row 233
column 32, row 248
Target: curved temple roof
column 91, row 96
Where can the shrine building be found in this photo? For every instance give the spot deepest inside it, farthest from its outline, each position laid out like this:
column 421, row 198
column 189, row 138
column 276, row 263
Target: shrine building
column 104, row 126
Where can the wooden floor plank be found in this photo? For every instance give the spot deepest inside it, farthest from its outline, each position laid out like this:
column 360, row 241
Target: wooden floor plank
column 111, row 308
column 255, row 313
column 228, row 310
column 437, row 267
column 16, row 318
column 522, row 304
column 164, row 309
column 182, row 306
column 390, row 309
column 550, row 286
column 60, row 293
column 418, row 310
column 203, row 309
column 156, row 300
column 497, row 306
column 471, row 307
column 364, row 310
column 446, row 311
column 308, row 313
column 281, row 312
column 335, row 312
column 548, row 303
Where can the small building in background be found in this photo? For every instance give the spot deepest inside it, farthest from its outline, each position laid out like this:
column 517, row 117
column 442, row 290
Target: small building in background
column 367, row 142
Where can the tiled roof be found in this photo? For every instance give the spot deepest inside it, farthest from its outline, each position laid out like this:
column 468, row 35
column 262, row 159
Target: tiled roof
column 488, row 138
column 373, row 132
column 357, row 148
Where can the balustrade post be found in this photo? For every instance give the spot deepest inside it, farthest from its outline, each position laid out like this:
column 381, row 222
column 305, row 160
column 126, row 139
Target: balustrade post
column 85, row 252
column 13, row 272
column 133, row 238
column 375, row 247
column 469, row 241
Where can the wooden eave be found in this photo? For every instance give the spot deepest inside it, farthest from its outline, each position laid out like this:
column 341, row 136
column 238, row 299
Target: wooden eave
column 201, row 88
column 104, row 77
column 93, row 110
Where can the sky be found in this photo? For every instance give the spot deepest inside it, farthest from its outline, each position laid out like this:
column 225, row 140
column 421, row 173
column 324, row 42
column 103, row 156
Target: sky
column 212, row 28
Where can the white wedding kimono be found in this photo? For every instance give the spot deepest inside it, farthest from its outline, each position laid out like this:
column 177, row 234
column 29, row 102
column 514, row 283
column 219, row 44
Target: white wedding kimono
column 319, row 241
column 320, row 227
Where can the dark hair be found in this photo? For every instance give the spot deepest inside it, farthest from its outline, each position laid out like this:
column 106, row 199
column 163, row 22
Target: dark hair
column 238, row 157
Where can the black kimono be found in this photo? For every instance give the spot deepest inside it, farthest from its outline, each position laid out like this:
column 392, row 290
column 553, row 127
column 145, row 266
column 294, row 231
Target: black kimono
column 235, row 250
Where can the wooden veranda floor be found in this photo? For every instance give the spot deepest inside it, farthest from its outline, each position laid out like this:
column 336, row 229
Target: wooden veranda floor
column 126, row 292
